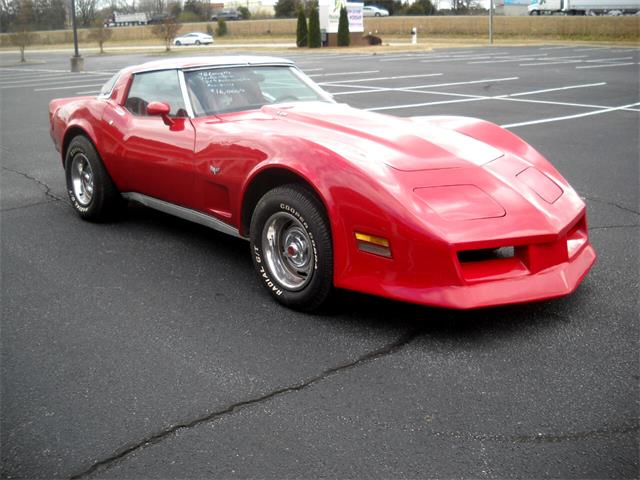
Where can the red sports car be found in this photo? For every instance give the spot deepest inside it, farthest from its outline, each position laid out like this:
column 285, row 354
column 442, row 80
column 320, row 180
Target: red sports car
column 447, row 211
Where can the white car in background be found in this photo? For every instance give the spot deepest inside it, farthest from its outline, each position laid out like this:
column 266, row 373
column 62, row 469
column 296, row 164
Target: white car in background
column 195, row 38
column 371, row 11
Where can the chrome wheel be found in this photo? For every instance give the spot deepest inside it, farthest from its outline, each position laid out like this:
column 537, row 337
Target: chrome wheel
column 82, row 179
column 288, row 251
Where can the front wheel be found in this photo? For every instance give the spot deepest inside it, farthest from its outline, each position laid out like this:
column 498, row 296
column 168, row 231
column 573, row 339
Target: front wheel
column 178, row 43
column 291, row 247
column 197, row 42
column 91, row 190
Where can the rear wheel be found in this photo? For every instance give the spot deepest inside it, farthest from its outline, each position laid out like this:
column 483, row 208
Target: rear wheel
column 291, row 247
column 178, row 43
column 197, row 42
column 91, row 191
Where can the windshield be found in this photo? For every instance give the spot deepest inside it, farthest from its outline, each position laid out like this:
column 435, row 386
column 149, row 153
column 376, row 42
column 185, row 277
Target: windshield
column 234, row 89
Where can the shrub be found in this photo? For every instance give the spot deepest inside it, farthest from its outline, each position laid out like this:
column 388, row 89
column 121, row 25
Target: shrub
column 222, row 27
column 372, row 39
column 209, row 29
column 244, row 11
column 343, row 28
column 301, row 30
column 315, row 37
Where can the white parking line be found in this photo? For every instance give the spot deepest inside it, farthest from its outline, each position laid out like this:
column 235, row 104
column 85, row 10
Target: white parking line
column 475, row 57
column 376, row 79
column 557, row 89
column 555, row 48
column 564, row 104
column 343, row 73
column 426, row 104
column 49, row 70
column 570, row 117
column 418, row 88
column 563, row 62
column 602, row 49
column 615, row 59
column 43, row 82
column 474, row 98
column 68, row 87
column 608, row 65
column 34, row 78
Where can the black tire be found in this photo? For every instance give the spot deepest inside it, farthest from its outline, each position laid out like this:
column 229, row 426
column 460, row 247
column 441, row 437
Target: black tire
column 105, row 201
column 197, row 42
column 377, row 14
column 307, row 222
column 178, row 43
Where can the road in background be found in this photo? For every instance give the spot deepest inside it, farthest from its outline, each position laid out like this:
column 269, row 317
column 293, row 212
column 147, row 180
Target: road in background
column 147, row 347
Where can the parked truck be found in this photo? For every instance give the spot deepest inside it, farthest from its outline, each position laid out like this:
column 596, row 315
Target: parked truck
column 126, row 19
column 584, row 7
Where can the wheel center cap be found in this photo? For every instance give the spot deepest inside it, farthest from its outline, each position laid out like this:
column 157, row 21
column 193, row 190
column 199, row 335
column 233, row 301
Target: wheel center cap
column 292, row 250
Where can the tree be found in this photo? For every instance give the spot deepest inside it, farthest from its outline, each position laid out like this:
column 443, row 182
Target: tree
column 175, row 10
column 100, row 34
column 22, row 37
column 343, row 28
column 194, row 6
column 315, row 38
column 244, row 11
column 301, row 29
column 464, row 6
column 86, row 11
column 286, row 8
column 222, row 27
column 166, row 31
column 7, row 14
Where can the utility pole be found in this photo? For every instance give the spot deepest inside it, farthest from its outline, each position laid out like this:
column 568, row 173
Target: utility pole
column 491, row 22
column 77, row 62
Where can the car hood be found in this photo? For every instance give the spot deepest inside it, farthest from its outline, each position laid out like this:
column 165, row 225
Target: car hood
column 400, row 143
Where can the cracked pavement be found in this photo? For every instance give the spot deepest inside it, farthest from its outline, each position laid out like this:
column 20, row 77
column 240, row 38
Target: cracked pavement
column 145, row 348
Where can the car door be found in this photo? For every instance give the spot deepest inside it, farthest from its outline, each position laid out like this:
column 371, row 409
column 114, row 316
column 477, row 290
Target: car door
column 154, row 154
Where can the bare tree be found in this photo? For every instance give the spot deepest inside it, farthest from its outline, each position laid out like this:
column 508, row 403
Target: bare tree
column 100, row 34
column 86, row 10
column 167, row 31
column 21, row 38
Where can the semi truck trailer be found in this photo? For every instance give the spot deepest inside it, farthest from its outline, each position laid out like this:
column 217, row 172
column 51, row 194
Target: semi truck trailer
column 584, row 7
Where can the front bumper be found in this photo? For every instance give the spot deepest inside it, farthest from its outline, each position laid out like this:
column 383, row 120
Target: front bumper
column 556, row 281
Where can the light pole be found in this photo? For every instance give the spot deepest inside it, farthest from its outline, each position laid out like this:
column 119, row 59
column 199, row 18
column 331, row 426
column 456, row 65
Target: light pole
column 490, row 22
column 77, row 62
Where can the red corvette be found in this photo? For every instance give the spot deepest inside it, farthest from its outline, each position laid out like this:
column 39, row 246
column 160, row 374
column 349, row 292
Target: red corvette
column 447, row 211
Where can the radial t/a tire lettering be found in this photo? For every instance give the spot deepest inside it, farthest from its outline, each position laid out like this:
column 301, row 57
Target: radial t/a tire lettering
column 91, row 191
column 291, row 247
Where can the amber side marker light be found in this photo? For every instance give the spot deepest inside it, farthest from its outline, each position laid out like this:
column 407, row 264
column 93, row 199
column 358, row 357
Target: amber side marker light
column 372, row 244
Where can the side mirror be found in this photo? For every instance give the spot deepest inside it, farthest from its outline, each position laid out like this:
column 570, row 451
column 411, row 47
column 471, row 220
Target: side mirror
column 158, row 109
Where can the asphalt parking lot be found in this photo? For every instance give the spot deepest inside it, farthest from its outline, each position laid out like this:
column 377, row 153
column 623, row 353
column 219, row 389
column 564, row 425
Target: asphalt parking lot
column 146, row 348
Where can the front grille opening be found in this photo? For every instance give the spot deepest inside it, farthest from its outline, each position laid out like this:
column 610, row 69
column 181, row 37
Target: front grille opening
column 468, row 256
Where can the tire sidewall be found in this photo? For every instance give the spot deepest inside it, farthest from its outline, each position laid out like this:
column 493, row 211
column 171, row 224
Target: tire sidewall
column 306, row 298
column 77, row 147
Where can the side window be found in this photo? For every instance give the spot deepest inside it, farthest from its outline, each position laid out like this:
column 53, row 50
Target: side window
column 162, row 86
